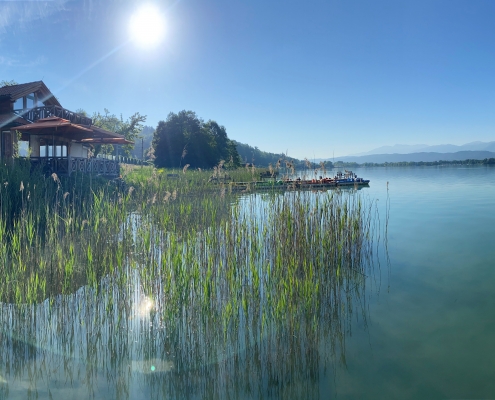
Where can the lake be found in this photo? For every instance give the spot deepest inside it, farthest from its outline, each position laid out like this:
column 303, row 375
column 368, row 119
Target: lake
column 418, row 325
column 431, row 326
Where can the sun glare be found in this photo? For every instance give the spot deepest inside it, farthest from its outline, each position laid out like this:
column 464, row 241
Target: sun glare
column 147, row 26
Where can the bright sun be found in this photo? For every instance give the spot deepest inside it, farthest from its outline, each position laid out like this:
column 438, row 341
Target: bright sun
column 147, row 26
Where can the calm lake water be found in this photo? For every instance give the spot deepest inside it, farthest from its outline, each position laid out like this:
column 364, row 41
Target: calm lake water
column 431, row 330
column 428, row 330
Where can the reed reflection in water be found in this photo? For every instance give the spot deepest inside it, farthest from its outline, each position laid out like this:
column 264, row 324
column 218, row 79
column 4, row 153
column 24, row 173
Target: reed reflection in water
column 257, row 306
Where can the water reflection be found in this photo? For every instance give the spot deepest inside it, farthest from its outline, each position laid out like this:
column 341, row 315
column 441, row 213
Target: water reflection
column 260, row 307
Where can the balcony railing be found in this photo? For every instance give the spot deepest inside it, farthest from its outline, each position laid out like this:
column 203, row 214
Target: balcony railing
column 36, row 113
column 69, row 165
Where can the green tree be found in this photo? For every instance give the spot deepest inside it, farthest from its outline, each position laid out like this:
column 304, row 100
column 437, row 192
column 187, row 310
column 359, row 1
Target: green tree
column 233, row 159
column 130, row 129
column 169, row 140
column 222, row 148
column 185, row 139
column 4, row 83
column 199, row 152
column 143, row 142
column 82, row 112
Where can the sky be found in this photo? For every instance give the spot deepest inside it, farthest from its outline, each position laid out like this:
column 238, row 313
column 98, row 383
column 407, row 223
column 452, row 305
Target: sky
column 313, row 79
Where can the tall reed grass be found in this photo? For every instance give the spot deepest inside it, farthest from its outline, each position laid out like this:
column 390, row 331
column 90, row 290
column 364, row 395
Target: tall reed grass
column 231, row 295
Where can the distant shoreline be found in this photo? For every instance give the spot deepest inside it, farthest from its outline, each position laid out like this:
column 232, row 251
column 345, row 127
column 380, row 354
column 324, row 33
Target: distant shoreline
column 486, row 161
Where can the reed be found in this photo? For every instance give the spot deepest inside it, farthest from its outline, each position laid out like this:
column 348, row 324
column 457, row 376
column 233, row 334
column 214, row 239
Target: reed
column 174, row 270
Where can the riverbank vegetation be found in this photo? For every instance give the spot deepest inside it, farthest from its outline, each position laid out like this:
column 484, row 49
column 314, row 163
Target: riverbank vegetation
column 62, row 232
column 214, row 275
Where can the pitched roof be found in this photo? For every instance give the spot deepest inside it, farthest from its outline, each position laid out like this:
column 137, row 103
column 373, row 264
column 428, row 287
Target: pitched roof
column 100, row 132
column 14, row 92
column 51, row 123
column 62, row 127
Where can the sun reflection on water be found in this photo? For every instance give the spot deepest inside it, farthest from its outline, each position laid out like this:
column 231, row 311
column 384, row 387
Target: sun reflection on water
column 143, row 308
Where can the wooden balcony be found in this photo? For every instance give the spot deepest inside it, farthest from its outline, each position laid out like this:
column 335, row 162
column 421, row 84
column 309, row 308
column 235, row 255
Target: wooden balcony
column 69, row 165
column 36, row 113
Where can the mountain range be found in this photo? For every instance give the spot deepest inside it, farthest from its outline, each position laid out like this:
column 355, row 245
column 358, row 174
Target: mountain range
column 423, row 148
column 417, row 157
column 421, row 152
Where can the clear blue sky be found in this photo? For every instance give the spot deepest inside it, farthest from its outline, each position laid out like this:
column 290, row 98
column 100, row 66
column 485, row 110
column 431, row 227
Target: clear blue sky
column 311, row 77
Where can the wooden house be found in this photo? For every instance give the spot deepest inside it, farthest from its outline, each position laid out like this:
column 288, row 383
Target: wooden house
column 60, row 139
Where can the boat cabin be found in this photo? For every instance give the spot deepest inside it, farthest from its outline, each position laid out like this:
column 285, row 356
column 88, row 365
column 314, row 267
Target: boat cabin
column 56, row 137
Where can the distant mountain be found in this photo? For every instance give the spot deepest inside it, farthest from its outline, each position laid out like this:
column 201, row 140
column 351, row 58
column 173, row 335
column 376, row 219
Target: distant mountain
column 396, row 148
column 473, row 146
column 416, row 157
column 423, row 148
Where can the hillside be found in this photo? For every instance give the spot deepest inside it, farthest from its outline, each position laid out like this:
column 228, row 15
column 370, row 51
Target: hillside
column 253, row 155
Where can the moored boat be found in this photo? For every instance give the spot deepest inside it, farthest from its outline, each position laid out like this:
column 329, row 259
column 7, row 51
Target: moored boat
column 349, row 178
column 346, row 179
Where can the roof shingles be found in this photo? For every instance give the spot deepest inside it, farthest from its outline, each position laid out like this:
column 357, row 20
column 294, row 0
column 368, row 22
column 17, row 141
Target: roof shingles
column 15, row 92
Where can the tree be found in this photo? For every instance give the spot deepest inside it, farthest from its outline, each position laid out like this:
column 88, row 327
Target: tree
column 143, row 142
column 82, row 112
column 223, row 148
column 184, row 138
column 169, row 140
column 218, row 138
column 130, row 129
column 4, row 83
column 234, row 160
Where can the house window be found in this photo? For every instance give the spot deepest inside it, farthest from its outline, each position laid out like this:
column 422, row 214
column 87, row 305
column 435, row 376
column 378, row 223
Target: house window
column 28, row 102
column 53, row 151
column 18, row 105
column 23, row 148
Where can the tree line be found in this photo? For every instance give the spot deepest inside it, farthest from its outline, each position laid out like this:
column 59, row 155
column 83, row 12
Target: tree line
column 253, row 155
column 185, row 139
